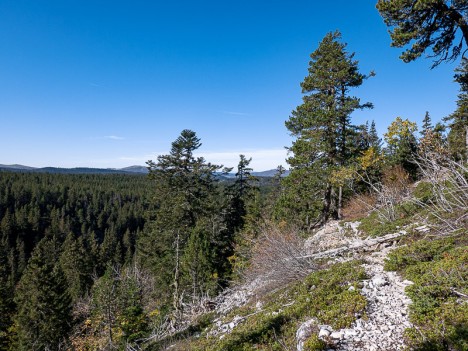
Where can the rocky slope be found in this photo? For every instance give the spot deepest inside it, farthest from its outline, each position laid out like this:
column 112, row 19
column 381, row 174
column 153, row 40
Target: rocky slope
column 382, row 324
column 386, row 311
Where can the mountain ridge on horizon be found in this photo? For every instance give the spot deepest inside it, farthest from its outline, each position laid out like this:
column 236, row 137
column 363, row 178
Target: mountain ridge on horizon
column 134, row 169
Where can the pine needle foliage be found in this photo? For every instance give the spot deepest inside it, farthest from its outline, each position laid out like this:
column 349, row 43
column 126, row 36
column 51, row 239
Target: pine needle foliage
column 323, row 130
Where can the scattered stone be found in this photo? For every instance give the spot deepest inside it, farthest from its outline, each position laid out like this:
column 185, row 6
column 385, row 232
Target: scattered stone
column 336, row 335
column 305, row 331
column 350, row 332
column 324, row 333
column 379, row 280
column 386, row 315
column 386, row 311
column 326, row 327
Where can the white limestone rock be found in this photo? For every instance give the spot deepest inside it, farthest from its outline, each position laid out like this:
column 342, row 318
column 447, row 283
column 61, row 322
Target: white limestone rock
column 304, row 332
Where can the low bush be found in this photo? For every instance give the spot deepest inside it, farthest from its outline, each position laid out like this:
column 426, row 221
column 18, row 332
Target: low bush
column 324, row 295
column 439, row 309
column 424, row 192
column 417, row 252
column 373, row 225
column 314, row 344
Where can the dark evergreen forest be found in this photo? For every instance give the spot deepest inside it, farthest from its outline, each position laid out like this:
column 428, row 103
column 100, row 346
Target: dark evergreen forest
column 70, row 272
column 73, row 225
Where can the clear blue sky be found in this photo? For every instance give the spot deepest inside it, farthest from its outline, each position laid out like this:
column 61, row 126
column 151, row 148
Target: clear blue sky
column 112, row 83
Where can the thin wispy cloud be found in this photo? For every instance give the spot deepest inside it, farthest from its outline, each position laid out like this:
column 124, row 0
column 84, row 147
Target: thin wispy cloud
column 114, row 137
column 234, row 113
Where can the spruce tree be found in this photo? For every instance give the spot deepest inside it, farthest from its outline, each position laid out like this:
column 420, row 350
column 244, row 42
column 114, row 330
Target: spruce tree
column 243, row 189
column 374, row 140
column 323, row 129
column 426, row 125
column 197, row 263
column 43, row 316
column 77, row 265
column 185, row 196
column 117, row 312
column 242, row 214
column 402, row 145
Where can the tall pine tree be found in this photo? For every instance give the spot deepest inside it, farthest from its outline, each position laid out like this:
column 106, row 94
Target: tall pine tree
column 243, row 214
column 239, row 193
column 426, row 125
column 323, row 129
column 187, row 224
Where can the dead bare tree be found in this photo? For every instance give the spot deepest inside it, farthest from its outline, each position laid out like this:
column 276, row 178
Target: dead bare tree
column 178, row 320
column 448, row 180
column 278, row 257
column 389, row 193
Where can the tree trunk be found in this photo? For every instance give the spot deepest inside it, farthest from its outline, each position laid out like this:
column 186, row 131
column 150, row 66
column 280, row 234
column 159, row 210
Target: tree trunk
column 176, row 274
column 326, row 204
column 466, row 143
column 340, row 200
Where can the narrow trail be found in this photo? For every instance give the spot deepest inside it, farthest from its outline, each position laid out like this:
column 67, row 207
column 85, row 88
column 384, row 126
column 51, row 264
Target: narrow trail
column 386, row 318
column 387, row 311
column 382, row 326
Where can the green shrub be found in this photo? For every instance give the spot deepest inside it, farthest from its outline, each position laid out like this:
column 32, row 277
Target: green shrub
column 314, row 344
column 324, row 295
column 443, row 329
column 374, row 226
column 423, row 192
column 439, row 271
column 420, row 251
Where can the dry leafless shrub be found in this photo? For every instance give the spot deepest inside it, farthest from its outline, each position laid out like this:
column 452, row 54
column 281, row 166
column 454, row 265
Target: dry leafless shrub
column 448, row 180
column 179, row 321
column 359, row 206
column 279, row 257
column 394, row 188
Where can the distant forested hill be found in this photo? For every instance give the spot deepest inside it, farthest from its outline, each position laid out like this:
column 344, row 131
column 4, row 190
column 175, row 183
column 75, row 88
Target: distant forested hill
column 126, row 170
column 75, row 170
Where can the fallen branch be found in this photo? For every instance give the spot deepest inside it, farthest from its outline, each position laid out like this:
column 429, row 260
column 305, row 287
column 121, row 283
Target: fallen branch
column 363, row 245
column 459, row 293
